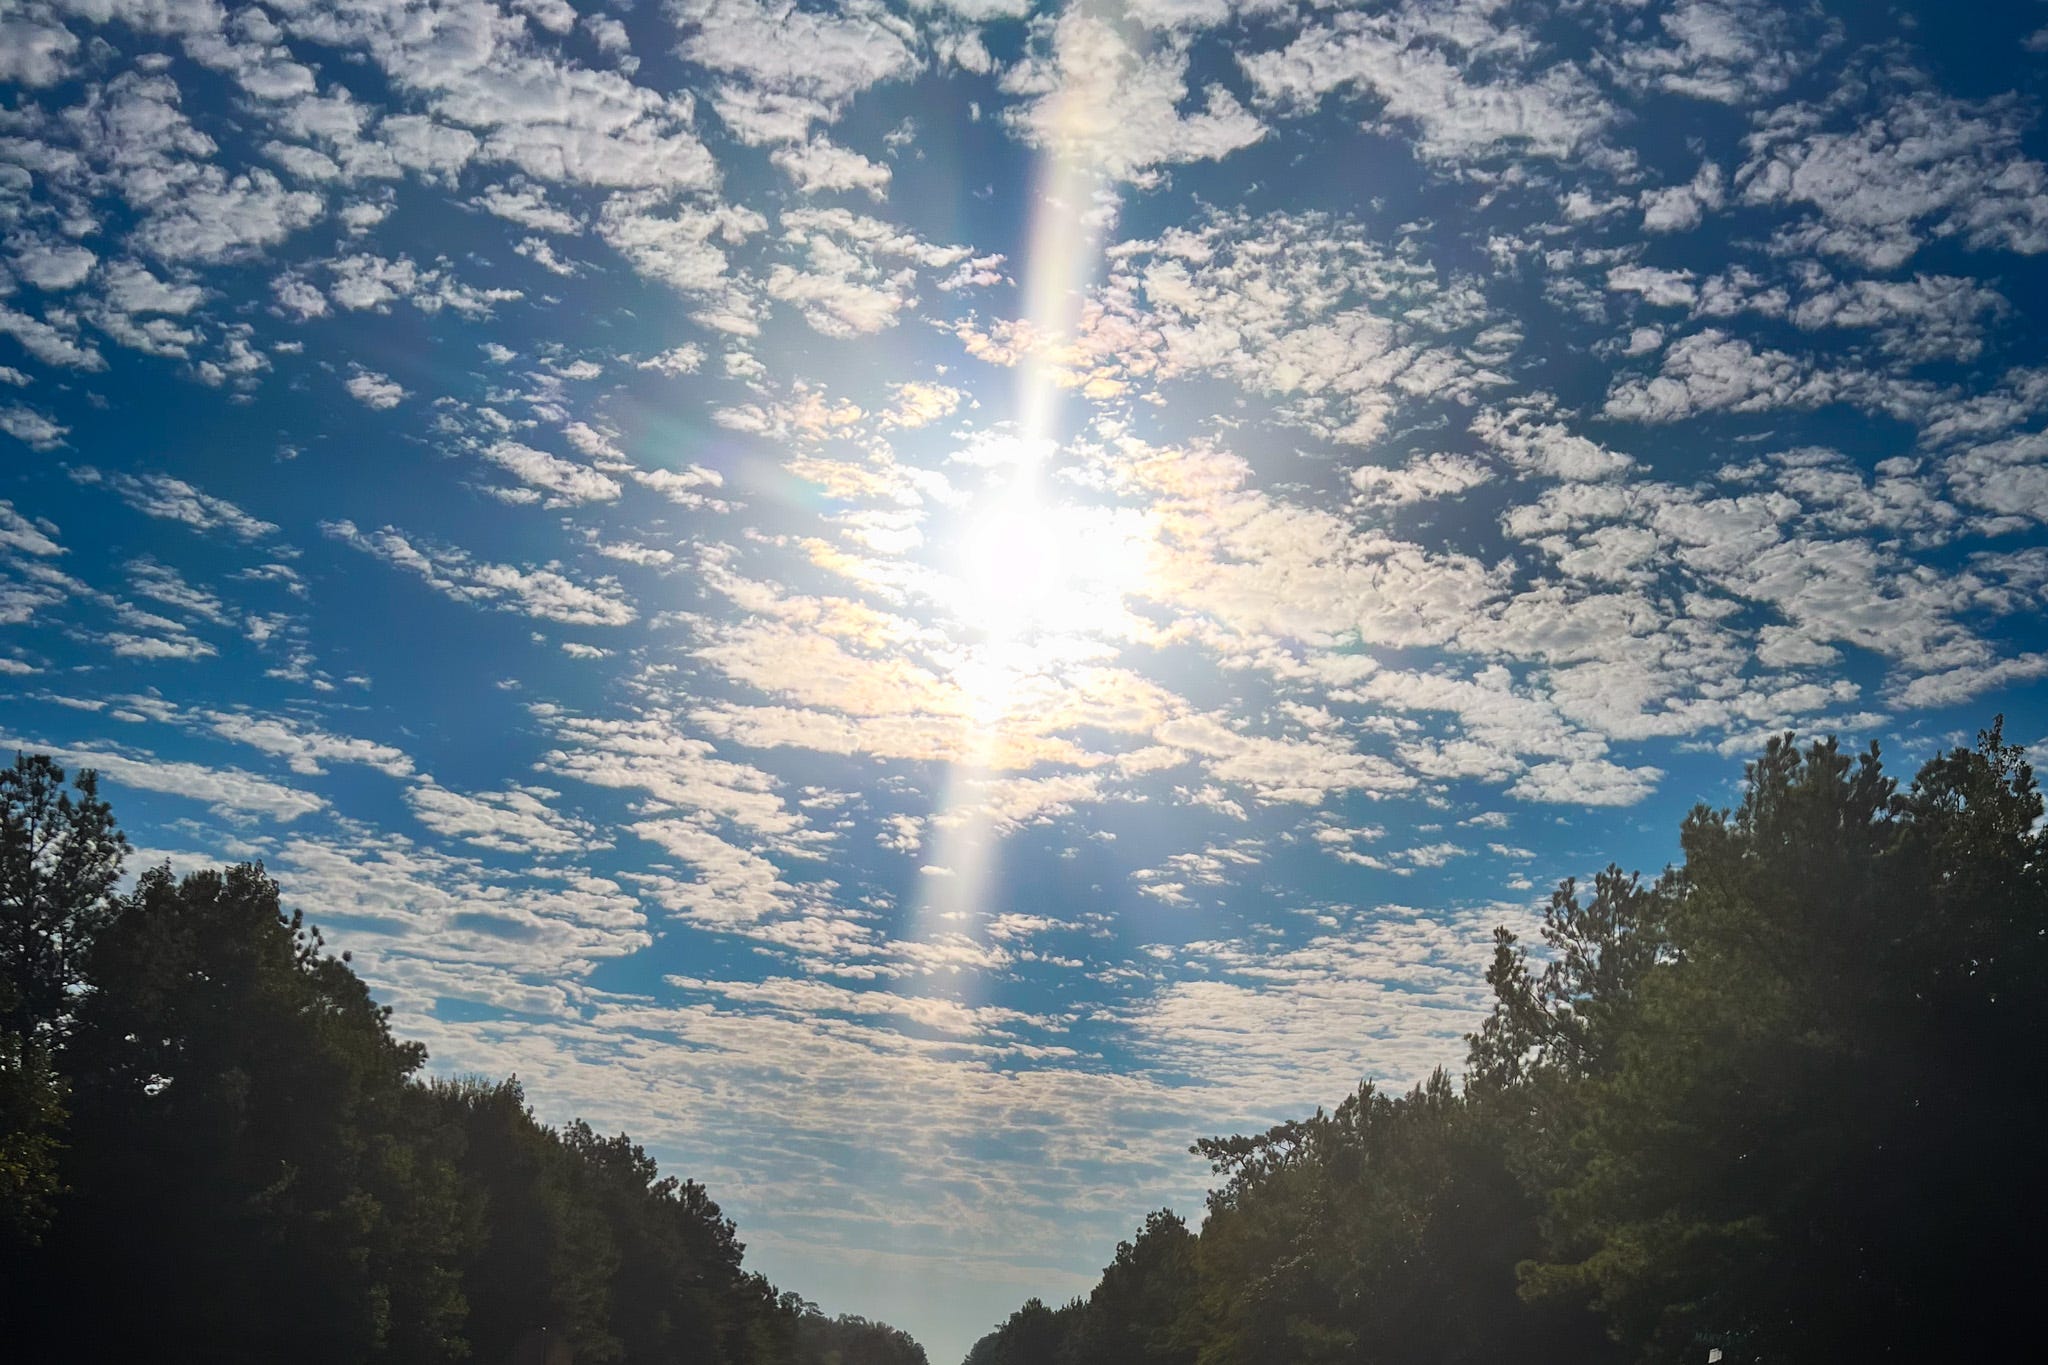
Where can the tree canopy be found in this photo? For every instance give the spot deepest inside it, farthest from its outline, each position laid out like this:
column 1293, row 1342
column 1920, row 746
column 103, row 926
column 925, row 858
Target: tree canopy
column 1780, row 1102
column 214, row 1146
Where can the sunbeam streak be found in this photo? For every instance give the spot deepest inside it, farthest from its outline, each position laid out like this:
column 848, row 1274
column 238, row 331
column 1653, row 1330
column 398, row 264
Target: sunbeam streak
column 1028, row 568
column 918, row 602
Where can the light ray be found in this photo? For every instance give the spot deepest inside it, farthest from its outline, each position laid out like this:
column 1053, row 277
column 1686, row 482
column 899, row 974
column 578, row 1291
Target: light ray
column 1028, row 565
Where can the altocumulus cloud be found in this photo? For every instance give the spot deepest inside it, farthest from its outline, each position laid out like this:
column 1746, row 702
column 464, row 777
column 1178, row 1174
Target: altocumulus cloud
column 825, row 581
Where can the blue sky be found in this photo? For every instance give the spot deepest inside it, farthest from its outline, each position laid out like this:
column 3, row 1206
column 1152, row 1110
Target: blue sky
column 919, row 604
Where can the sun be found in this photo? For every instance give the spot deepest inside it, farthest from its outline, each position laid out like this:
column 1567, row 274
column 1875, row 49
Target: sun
column 1033, row 571
column 1011, row 568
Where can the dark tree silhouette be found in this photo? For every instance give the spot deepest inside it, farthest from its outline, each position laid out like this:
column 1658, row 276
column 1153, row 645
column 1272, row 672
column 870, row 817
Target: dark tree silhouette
column 1817, row 1139
column 849, row 1340
column 1782, row 1102
column 60, row 857
column 251, row 1169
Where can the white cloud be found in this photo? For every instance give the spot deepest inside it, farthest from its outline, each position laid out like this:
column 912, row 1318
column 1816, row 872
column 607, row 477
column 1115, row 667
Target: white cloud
column 49, row 343
column 52, row 266
column 1587, row 782
column 376, row 391
column 1254, row 1021
column 516, row 820
column 821, row 166
column 2009, row 476
column 528, row 205
column 19, row 534
column 222, row 218
column 566, row 481
column 172, row 499
column 1923, row 165
column 228, row 791
column 1426, row 476
column 687, row 358
column 1459, row 76
column 1658, row 288
column 303, row 748
column 857, row 273
column 32, row 428
column 543, row 592
column 682, row 247
column 1924, row 318
column 1712, row 371
column 826, row 56
column 1110, row 107
column 1681, row 208
column 34, row 54
column 1728, row 51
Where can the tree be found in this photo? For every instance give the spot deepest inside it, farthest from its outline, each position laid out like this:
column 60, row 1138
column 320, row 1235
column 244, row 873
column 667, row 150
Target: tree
column 1564, row 1021
column 1140, row 1311
column 1815, row 1141
column 243, row 1184
column 850, row 1340
column 585, row 1242
column 31, row 1122
column 252, row 1171
column 60, row 858
column 1781, row 1102
column 1033, row 1335
column 1387, row 1230
column 543, row 1261
column 678, row 1286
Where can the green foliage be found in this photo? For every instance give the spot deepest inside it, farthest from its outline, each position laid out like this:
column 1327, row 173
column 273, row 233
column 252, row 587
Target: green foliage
column 1564, row 1022
column 850, row 1340
column 238, row 1134
column 31, row 1121
column 1138, row 1314
column 1034, row 1335
column 1387, row 1230
column 252, row 1170
column 60, row 856
column 1782, row 1102
column 541, row 1263
column 1814, row 1142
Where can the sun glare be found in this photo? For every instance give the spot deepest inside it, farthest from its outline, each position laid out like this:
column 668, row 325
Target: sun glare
column 1011, row 566
column 1032, row 571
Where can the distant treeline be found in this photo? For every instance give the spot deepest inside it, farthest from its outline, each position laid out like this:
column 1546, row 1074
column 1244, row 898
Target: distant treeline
column 1787, row 1103
column 213, row 1148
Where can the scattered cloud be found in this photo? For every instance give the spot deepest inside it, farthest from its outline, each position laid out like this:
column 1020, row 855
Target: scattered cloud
column 972, row 552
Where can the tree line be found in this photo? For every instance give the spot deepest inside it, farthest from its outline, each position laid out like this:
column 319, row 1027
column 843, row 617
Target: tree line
column 214, row 1147
column 1784, row 1103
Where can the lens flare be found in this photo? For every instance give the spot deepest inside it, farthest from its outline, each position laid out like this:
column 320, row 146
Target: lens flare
column 1037, row 581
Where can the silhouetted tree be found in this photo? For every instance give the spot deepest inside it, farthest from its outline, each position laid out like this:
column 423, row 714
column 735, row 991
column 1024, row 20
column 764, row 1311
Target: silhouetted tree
column 1139, row 1313
column 251, row 1171
column 851, row 1340
column 60, row 858
column 241, row 1180
column 1387, row 1230
column 1782, row 1102
column 1815, row 1142
column 31, row 1125
column 1033, row 1335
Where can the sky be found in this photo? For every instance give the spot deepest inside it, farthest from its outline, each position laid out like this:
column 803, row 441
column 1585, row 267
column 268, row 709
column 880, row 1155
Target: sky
column 920, row 603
